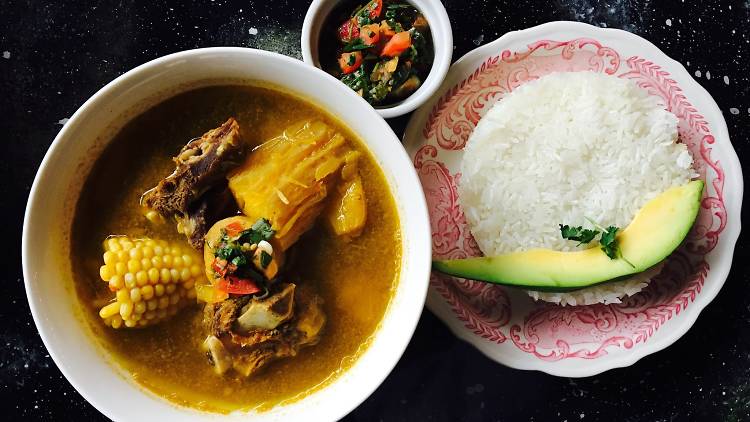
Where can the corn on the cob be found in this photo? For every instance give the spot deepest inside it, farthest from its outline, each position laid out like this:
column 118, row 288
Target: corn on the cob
column 151, row 279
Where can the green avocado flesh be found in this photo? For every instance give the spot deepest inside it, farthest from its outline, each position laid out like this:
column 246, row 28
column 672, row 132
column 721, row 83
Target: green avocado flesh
column 656, row 231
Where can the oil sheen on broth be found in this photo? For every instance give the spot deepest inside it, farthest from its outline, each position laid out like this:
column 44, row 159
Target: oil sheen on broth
column 355, row 283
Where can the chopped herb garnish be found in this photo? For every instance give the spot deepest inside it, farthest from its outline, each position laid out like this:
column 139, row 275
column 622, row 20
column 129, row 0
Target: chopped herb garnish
column 356, row 45
column 265, row 259
column 578, row 234
column 239, row 260
column 263, row 226
column 607, row 240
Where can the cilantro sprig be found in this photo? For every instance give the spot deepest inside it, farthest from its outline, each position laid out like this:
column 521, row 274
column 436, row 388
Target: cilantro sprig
column 607, row 241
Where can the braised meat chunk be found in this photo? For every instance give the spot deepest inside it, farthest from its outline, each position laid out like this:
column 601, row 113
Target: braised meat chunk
column 246, row 334
column 195, row 193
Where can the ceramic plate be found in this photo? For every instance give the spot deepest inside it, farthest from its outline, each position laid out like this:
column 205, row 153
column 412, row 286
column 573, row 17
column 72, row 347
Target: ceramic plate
column 506, row 324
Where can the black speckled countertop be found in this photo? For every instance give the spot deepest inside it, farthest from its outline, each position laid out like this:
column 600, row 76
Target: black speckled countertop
column 54, row 55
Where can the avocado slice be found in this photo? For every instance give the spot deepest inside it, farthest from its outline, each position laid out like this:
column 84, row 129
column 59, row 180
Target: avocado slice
column 656, row 231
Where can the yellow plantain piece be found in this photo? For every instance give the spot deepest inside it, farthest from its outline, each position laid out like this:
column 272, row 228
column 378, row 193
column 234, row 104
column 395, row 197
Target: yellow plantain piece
column 287, row 179
column 346, row 213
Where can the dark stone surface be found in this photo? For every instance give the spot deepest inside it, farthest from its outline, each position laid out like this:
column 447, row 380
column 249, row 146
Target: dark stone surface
column 54, row 55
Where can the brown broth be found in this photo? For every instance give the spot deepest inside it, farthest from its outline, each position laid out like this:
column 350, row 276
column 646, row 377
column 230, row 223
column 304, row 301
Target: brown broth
column 355, row 283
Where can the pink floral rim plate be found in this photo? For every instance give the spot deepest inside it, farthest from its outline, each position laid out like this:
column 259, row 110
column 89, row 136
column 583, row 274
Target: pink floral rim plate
column 505, row 324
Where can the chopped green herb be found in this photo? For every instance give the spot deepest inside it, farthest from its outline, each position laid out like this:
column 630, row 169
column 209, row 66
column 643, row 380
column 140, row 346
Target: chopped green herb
column 608, row 242
column 265, row 259
column 356, row 45
column 378, row 91
column 578, row 234
column 263, row 227
column 239, row 260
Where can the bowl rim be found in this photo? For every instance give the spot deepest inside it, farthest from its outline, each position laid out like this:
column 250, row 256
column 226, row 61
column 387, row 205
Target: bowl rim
column 723, row 262
column 419, row 252
column 436, row 16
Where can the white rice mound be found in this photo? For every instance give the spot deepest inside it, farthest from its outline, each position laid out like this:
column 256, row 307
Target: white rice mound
column 562, row 148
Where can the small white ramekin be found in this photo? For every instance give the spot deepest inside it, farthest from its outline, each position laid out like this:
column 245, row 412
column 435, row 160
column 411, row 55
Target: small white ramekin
column 442, row 39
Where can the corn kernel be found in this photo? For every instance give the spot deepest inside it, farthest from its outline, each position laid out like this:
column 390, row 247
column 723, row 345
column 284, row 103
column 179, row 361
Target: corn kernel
column 109, row 257
column 187, row 260
column 129, row 279
column 130, row 323
column 156, row 262
column 191, row 294
column 159, row 290
column 167, row 260
column 195, row 270
column 113, row 244
column 161, row 313
column 135, row 294
column 174, row 275
column 152, row 304
column 185, row 275
column 122, row 296
column 164, row 275
column 122, row 255
column 163, row 302
column 134, row 266
column 189, row 285
column 136, row 253
column 145, row 264
column 171, row 288
column 177, row 262
column 153, row 275
column 140, row 307
column 150, row 315
column 126, row 309
column 147, row 251
column 115, row 283
column 116, row 322
column 120, row 268
column 142, row 322
column 147, row 292
column 110, row 310
column 158, row 250
column 105, row 272
column 141, row 278
column 174, row 299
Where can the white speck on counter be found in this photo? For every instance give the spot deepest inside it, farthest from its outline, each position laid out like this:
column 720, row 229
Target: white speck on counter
column 708, row 74
column 726, row 80
column 582, row 415
column 63, row 121
column 6, row 54
column 735, row 110
column 669, row 22
column 478, row 40
column 697, row 73
column 252, row 31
